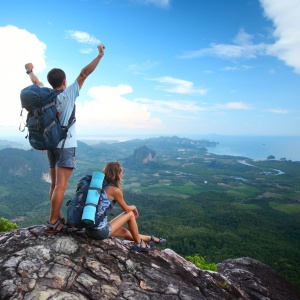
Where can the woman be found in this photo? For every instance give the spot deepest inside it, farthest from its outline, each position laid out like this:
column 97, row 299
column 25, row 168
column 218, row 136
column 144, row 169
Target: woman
column 112, row 194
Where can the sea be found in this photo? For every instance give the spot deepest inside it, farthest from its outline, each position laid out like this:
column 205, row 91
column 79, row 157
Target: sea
column 256, row 147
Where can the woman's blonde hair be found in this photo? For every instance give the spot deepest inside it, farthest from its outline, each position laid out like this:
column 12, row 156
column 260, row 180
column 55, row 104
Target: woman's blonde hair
column 112, row 171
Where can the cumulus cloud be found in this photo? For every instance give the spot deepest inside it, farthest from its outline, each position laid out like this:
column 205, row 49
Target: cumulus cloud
column 286, row 20
column 175, row 85
column 109, row 108
column 82, row 37
column 18, row 47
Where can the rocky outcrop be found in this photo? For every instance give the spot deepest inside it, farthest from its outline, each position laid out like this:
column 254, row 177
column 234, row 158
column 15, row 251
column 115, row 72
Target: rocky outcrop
column 141, row 155
column 34, row 265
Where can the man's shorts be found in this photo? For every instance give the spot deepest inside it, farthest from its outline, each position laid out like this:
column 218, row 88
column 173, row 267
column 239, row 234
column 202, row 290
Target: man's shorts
column 99, row 234
column 62, row 158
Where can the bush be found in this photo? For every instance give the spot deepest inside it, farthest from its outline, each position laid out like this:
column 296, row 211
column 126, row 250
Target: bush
column 200, row 263
column 6, row 225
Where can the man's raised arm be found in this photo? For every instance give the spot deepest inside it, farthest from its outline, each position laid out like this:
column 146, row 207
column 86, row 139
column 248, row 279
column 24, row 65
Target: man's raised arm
column 87, row 70
column 33, row 78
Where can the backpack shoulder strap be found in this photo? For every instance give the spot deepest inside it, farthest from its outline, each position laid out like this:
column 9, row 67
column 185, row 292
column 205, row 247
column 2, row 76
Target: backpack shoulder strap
column 106, row 184
column 72, row 118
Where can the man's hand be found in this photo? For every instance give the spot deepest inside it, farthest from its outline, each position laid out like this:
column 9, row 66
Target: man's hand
column 33, row 77
column 101, row 49
column 29, row 66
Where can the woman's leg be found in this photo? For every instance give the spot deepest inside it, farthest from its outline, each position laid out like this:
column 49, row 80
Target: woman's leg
column 132, row 233
column 117, row 223
column 125, row 233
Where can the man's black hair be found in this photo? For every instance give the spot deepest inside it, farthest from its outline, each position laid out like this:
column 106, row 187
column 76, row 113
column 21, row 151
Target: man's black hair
column 56, row 77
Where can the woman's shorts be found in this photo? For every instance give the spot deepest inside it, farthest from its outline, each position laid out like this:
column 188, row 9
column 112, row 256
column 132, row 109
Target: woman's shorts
column 99, row 234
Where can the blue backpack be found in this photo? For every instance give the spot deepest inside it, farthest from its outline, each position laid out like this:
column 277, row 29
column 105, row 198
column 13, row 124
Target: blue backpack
column 44, row 128
column 78, row 204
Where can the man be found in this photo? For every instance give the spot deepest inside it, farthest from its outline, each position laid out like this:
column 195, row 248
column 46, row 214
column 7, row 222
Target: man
column 62, row 162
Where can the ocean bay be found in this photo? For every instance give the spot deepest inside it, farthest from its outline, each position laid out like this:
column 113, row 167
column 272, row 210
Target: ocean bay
column 256, row 147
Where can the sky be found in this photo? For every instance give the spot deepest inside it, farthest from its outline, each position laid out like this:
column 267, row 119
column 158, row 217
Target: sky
column 171, row 67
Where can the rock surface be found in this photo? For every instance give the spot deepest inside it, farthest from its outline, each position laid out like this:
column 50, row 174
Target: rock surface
column 36, row 266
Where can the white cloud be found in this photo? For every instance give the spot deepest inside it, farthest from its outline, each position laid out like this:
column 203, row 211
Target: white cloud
column 110, row 110
column 233, row 106
column 285, row 16
column 162, row 106
column 82, row 37
column 18, row 47
column 174, row 85
column 144, row 66
column 286, row 19
column 159, row 3
column 242, row 47
column 278, row 111
column 236, row 68
column 86, row 50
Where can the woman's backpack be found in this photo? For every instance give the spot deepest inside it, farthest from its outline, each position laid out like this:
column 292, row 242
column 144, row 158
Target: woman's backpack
column 84, row 209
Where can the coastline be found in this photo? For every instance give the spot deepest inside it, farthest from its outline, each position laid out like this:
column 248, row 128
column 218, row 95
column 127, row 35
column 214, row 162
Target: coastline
column 253, row 147
column 258, row 147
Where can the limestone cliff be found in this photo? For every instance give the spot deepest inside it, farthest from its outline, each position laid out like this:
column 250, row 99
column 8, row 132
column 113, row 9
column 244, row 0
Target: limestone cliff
column 141, row 155
column 37, row 266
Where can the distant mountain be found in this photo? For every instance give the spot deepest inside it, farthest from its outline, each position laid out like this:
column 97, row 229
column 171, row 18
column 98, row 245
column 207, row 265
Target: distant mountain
column 23, row 181
column 9, row 144
column 161, row 142
column 177, row 141
column 141, row 155
column 22, row 163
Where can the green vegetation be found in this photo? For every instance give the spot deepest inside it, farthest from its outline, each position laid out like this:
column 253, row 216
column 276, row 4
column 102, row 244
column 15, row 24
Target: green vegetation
column 289, row 208
column 6, row 226
column 200, row 263
column 207, row 206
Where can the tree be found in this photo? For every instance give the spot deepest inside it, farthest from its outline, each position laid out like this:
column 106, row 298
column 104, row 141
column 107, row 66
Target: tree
column 6, row 225
column 200, row 262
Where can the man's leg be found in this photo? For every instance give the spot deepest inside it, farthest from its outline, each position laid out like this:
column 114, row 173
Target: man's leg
column 53, row 180
column 62, row 176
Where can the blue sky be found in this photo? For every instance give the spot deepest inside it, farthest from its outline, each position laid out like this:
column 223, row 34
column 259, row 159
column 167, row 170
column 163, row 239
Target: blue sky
column 171, row 67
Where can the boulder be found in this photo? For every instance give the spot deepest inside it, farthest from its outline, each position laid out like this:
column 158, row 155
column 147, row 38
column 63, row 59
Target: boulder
column 36, row 266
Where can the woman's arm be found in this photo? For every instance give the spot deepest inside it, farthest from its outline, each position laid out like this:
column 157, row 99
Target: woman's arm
column 116, row 194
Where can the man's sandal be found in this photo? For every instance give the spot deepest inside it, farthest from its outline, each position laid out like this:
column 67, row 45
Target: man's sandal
column 52, row 228
column 141, row 247
column 156, row 241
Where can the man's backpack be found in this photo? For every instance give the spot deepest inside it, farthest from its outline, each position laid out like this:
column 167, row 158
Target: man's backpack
column 44, row 128
column 78, row 205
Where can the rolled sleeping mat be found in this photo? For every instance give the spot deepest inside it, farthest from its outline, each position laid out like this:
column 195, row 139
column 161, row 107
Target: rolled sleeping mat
column 89, row 211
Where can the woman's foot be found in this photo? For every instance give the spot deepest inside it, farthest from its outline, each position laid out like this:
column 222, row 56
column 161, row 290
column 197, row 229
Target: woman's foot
column 141, row 247
column 154, row 241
